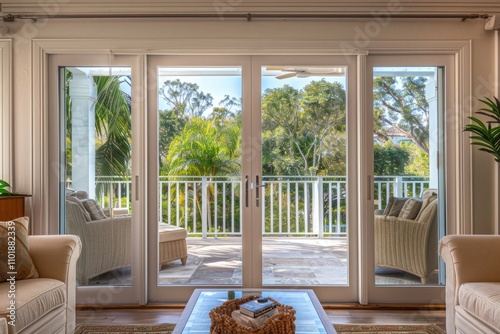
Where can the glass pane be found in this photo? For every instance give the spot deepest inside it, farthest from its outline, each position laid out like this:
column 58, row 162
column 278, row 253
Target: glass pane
column 97, row 138
column 305, row 211
column 406, row 138
column 199, row 183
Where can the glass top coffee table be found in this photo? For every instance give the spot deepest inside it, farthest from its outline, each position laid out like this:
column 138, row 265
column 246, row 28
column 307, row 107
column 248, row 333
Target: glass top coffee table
column 310, row 316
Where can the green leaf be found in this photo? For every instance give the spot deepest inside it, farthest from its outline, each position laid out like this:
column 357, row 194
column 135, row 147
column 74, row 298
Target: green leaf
column 3, row 185
column 485, row 135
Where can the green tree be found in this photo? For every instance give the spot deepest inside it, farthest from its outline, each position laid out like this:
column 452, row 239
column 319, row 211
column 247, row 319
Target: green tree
column 400, row 103
column 113, row 126
column 418, row 161
column 185, row 98
column 297, row 123
column 389, row 159
column 169, row 126
column 205, row 149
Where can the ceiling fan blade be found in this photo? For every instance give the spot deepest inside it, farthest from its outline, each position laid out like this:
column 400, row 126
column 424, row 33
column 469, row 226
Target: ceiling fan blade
column 286, row 75
column 275, row 68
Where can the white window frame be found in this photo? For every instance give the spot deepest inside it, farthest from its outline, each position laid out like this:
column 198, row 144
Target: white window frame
column 459, row 172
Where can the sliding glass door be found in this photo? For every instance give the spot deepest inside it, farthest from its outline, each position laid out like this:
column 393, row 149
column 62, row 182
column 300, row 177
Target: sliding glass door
column 196, row 222
column 304, row 178
column 251, row 171
column 250, row 176
column 408, row 190
column 98, row 120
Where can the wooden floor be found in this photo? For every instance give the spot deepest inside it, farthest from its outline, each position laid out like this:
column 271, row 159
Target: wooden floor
column 337, row 314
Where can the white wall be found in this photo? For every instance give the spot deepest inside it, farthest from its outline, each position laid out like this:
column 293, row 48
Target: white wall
column 158, row 35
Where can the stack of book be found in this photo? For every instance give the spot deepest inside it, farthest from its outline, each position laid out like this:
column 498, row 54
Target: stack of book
column 254, row 313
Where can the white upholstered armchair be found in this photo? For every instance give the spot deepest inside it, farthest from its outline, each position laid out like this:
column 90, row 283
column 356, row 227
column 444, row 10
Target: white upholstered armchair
column 106, row 242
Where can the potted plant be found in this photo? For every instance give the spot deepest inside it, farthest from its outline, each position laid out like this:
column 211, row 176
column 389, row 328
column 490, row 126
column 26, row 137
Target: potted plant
column 487, row 135
column 3, row 191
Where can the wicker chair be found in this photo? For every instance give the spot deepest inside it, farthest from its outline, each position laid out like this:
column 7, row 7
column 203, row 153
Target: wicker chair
column 106, row 242
column 408, row 245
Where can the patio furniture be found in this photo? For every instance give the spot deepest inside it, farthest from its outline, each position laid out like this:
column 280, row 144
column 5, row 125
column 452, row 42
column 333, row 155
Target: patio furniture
column 409, row 245
column 106, row 241
column 171, row 244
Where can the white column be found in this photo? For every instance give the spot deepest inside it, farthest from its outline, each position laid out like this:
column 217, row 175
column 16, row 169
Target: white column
column 430, row 92
column 83, row 94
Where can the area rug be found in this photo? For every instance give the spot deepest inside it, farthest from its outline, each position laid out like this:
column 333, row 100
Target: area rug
column 125, row 329
column 341, row 329
column 388, row 329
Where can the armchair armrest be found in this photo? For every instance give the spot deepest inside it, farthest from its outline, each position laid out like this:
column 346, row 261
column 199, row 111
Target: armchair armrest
column 468, row 258
column 55, row 256
column 471, row 258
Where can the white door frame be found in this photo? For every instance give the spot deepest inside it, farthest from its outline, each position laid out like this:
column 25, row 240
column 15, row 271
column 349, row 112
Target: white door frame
column 330, row 293
column 100, row 295
column 43, row 207
column 423, row 294
column 181, row 293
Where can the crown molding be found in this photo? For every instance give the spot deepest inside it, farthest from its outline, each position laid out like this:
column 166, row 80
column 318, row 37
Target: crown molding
column 221, row 7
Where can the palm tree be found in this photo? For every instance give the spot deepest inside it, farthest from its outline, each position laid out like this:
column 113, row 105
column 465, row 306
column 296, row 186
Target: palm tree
column 205, row 149
column 112, row 126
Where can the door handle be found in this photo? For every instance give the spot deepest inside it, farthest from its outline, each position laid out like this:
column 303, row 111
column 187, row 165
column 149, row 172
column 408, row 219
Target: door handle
column 370, row 187
column 257, row 191
column 246, row 190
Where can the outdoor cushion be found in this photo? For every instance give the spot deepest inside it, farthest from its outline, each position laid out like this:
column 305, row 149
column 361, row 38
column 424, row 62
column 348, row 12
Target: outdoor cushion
column 170, row 233
column 74, row 199
column 94, row 209
column 482, row 300
column 410, row 209
column 397, row 205
column 428, row 198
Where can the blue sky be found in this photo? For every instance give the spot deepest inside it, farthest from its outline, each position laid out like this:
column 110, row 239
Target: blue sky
column 220, row 85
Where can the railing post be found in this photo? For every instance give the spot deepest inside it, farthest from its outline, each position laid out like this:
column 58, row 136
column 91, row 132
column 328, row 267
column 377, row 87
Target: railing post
column 204, row 211
column 160, row 201
column 317, row 208
column 398, row 187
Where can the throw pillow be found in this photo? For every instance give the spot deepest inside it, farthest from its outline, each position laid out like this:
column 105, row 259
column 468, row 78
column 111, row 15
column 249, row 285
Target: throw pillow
column 389, row 206
column 427, row 200
column 15, row 259
column 94, row 209
column 74, row 199
column 411, row 209
column 397, row 205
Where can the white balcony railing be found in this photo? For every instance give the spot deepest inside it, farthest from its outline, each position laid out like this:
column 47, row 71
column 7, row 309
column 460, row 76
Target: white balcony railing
column 293, row 205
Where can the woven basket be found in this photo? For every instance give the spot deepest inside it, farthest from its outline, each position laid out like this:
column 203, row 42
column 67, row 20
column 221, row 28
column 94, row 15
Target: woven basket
column 223, row 323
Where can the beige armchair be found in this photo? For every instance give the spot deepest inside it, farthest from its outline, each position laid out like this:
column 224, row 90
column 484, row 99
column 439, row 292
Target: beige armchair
column 472, row 283
column 45, row 304
column 106, row 242
column 410, row 245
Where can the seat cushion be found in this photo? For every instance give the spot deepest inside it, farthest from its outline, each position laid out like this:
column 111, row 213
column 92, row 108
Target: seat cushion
column 482, row 300
column 34, row 298
column 170, row 233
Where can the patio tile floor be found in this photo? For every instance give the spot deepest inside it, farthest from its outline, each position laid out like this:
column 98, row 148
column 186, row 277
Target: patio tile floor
column 287, row 261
